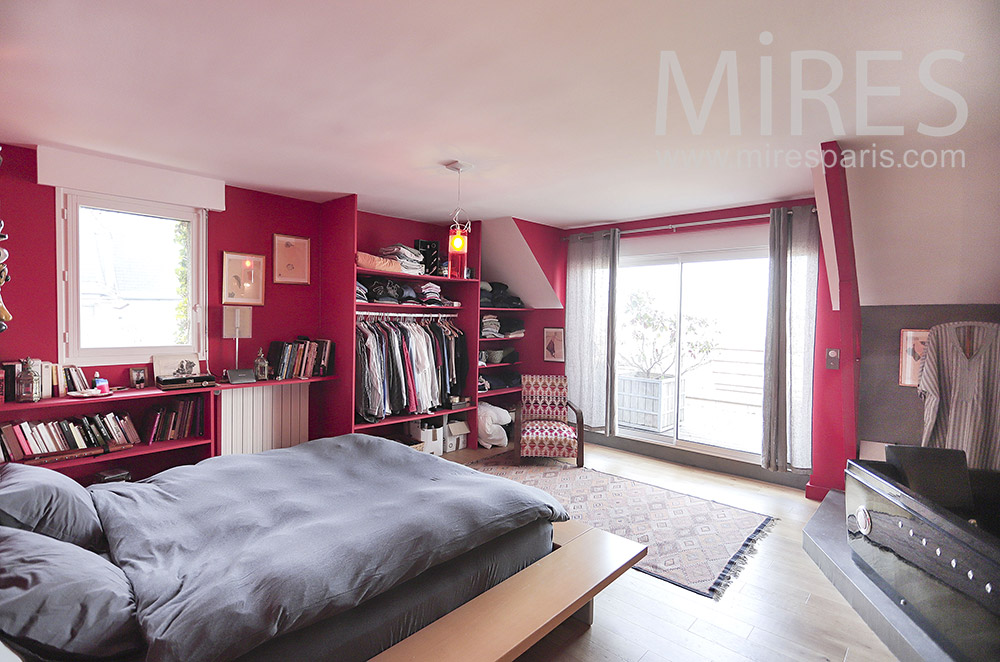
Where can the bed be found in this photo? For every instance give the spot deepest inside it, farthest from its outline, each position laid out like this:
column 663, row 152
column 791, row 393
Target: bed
column 335, row 549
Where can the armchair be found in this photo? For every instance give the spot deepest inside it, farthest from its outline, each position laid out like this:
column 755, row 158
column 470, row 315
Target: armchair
column 542, row 419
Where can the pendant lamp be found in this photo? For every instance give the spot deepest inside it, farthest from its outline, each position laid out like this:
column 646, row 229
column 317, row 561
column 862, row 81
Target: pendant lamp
column 458, row 234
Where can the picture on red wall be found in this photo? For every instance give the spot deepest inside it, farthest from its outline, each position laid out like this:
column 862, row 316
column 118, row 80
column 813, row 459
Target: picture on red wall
column 243, row 279
column 553, row 345
column 291, row 259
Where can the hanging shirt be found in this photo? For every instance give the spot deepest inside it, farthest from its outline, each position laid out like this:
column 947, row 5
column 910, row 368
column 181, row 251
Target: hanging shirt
column 960, row 385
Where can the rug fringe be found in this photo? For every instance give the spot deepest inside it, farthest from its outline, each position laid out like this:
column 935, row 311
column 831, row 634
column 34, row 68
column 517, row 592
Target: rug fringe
column 741, row 559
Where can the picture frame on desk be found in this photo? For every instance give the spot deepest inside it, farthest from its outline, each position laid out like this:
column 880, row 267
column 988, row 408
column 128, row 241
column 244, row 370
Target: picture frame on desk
column 137, row 377
column 291, row 259
column 242, row 279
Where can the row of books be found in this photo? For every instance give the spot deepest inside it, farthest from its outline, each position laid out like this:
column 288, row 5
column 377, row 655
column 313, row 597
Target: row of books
column 56, row 380
column 301, row 358
column 48, row 441
column 181, row 419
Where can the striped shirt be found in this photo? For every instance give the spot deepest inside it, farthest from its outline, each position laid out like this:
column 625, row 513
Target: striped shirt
column 960, row 385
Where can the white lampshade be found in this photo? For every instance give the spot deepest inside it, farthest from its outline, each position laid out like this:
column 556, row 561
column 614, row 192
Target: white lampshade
column 237, row 321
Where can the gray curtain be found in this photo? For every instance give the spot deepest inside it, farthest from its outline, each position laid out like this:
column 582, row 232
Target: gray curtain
column 791, row 335
column 592, row 266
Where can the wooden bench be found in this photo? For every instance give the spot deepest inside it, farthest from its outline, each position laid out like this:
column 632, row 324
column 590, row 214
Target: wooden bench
column 507, row 620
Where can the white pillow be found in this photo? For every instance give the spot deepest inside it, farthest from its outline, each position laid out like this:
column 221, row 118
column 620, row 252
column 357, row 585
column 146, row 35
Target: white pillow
column 491, row 420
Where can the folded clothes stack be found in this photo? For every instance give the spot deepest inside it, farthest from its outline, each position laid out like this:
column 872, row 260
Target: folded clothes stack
column 409, row 297
column 511, row 327
column 502, row 379
column 430, row 294
column 360, row 292
column 410, row 260
column 376, row 263
column 497, row 295
column 382, row 290
column 490, row 327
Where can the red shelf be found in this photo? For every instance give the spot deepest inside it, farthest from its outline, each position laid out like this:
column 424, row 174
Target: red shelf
column 138, row 393
column 502, row 391
column 135, row 451
column 505, row 310
column 402, row 307
column 415, row 417
column 396, row 275
column 501, row 339
column 498, row 365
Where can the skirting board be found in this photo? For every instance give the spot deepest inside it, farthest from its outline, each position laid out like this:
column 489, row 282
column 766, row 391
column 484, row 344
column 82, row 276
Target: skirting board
column 824, row 539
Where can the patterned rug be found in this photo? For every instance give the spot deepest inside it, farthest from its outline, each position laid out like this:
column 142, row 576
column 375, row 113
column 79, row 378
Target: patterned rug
column 696, row 544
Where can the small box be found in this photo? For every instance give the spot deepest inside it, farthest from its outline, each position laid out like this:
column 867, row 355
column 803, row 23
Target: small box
column 456, row 436
column 424, row 434
column 435, row 447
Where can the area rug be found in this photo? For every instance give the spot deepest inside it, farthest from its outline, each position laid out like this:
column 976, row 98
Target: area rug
column 697, row 544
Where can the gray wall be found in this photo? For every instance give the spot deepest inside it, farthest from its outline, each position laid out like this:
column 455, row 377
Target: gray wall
column 888, row 412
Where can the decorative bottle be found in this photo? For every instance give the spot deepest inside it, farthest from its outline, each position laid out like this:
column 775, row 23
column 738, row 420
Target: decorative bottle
column 28, row 387
column 260, row 365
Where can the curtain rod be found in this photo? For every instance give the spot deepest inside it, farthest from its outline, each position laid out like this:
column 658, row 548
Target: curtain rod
column 364, row 313
column 674, row 226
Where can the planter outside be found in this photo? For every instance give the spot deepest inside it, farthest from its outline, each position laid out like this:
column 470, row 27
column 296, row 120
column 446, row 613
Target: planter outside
column 647, row 404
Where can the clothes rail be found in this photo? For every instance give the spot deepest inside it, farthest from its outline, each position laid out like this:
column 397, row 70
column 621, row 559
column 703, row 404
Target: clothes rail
column 364, row 313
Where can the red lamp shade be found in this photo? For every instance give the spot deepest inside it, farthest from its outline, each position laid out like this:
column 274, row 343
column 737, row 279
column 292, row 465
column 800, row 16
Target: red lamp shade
column 458, row 248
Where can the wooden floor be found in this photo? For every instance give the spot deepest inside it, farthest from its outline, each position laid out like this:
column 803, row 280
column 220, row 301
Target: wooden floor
column 780, row 608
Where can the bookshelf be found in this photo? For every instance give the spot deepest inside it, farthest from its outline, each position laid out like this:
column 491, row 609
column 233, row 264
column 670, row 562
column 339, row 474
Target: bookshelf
column 144, row 459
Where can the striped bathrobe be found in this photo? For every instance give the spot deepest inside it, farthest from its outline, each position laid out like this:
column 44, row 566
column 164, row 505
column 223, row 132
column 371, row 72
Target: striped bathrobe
column 960, row 385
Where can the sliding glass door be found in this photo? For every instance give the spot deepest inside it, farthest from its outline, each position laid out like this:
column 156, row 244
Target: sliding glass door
column 690, row 349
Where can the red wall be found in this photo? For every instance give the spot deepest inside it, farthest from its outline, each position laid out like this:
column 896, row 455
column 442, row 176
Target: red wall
column 247, row 225
column 29, row 214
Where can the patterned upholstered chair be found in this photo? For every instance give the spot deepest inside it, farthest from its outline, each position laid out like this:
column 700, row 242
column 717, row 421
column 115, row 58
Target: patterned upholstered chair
column 542, row 419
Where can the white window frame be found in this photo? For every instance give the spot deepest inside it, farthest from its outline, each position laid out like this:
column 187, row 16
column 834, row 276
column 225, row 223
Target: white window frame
column 680, row 258
column 68, row 204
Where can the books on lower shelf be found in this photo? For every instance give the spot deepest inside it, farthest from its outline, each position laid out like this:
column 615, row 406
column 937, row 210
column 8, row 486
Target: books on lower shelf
column 180, row 419
column 41, row 442
column 301, row 358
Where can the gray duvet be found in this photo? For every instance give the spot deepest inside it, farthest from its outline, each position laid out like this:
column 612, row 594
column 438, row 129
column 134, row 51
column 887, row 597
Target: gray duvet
column 231, row 552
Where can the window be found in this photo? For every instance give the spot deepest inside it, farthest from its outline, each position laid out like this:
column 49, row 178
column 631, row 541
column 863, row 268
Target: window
column 691, row 322
column 133, row 279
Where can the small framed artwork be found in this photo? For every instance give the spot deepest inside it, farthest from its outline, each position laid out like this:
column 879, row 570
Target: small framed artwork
column 137, row 377
column 912, row 343
column 243, row 279
column 554, row 344
column 291, row 259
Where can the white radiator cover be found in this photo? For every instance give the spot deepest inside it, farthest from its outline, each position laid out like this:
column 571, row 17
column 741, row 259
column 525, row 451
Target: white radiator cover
column 259, row 418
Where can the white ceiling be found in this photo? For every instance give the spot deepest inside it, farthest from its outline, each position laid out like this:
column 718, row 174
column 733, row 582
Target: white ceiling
column 554, row 102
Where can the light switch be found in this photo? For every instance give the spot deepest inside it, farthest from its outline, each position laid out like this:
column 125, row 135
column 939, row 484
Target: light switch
column 833, row 359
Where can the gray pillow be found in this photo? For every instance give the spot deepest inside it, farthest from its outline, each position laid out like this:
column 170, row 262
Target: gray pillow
column 47, row 502
column 55, row 596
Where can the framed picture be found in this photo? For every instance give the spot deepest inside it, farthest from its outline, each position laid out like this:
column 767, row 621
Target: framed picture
column 553, row 344
column 243, row 279
column 291, row 259
column 137, row 377
column 176, row 365
column 911, row 349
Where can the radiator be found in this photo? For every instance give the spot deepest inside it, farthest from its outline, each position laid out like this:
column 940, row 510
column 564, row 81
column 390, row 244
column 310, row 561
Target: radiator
column 259, row 418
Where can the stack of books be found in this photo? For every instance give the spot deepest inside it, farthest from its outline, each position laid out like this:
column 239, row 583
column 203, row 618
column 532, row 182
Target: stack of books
column 35, row 442
column 182, row 418
column 302, row 358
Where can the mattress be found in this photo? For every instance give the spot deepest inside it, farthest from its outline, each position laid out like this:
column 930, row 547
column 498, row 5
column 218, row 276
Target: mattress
column 387, row 619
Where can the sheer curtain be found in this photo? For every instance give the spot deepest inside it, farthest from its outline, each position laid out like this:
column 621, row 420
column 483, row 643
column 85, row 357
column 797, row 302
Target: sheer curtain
column 790, row 344
column 590, row 326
